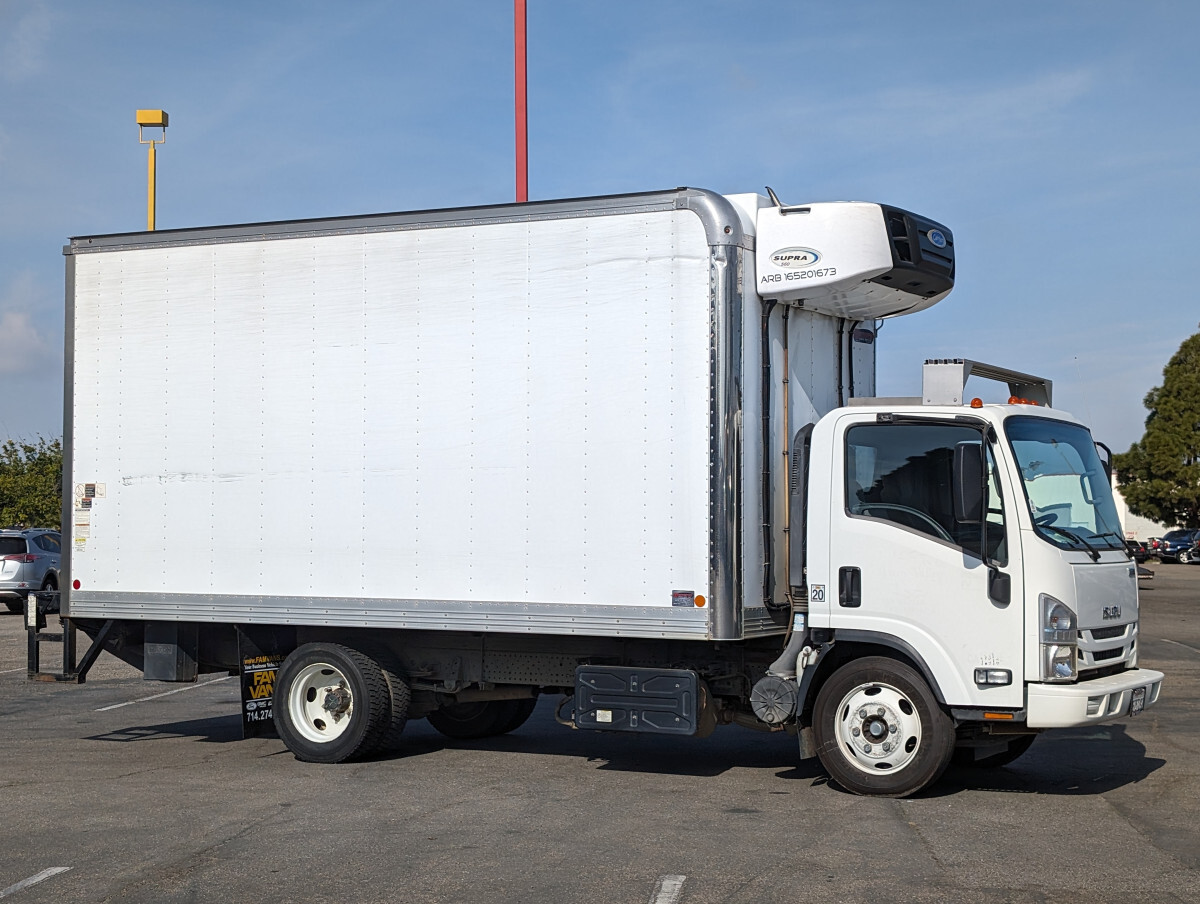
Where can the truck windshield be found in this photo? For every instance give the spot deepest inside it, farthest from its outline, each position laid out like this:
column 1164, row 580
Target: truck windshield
column 1068, row 492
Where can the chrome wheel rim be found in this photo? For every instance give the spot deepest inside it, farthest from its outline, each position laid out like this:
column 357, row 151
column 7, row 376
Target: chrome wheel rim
column 878, row 729
column 321, row 703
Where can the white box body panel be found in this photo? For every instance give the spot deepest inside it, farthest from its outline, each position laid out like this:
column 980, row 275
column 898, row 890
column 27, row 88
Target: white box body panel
column 512, row 413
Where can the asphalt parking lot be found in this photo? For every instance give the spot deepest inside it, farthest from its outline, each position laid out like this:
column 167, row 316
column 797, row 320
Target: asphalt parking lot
column 132, row 791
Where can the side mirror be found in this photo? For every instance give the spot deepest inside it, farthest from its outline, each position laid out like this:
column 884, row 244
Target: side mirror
column 1105, row 454
column 969, row 483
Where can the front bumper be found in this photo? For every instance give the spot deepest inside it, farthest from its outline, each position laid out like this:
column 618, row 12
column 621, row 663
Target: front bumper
column 1089, row 702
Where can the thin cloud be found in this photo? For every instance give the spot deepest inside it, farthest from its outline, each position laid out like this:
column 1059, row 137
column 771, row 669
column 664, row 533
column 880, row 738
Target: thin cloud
column 27, row 349
column 22, row 53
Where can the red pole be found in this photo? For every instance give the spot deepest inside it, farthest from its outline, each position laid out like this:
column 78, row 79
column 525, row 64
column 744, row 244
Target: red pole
column 522, row 104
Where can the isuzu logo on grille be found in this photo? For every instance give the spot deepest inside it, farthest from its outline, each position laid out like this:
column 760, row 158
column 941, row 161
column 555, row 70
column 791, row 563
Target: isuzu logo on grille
column 1111, row 612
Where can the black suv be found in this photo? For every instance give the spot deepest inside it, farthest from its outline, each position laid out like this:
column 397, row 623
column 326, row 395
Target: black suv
column 1137, row 550
column 1181, row 546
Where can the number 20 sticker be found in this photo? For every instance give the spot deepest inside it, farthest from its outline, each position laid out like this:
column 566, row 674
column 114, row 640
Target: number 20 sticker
column 817, row 593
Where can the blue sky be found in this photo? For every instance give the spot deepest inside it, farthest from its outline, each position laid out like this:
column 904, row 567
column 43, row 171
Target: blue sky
column 1059, row 141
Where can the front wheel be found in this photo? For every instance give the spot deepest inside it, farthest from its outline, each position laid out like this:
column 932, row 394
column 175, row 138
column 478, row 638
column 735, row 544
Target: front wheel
column 332, row 703
column 1185, row 557
column 879, row 729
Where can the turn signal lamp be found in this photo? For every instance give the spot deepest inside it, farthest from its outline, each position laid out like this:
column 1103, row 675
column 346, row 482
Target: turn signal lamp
column 700, row 601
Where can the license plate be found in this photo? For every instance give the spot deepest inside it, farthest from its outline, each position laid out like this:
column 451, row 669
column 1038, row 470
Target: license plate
column 1138, row 702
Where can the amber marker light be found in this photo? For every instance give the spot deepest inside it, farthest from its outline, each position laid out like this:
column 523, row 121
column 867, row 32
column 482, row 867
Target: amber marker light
column 976, row 403
column 1001, row 716
column 700, row 601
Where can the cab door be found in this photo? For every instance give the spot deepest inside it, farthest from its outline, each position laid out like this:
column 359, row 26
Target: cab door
column 904, row 572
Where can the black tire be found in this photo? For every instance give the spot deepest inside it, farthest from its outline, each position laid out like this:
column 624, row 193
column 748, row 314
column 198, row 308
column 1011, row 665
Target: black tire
column 902, row 740
column 469, row 721
column 400, row 697
column 519, row 713
column 14, row 607
column 331, row 703
column 50, row 584
column 1017, row 745
column 1185, row 557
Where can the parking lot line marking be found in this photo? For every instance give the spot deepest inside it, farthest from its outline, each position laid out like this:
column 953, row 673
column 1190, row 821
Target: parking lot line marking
column 6, row 671
column 177, row 690
column 669, row 888
column 33, row 880
column 1178, row 644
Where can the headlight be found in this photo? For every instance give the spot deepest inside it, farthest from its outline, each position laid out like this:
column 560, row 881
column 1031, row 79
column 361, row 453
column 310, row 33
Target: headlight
column 1060, row 638
column 1058, row 621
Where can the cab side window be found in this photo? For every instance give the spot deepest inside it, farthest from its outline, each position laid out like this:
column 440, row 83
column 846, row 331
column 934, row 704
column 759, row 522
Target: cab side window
column 903, row 474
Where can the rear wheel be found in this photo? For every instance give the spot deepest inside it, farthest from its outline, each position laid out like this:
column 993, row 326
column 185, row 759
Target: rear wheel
column 14, row 607
column 520, row 711
column 480, row 719
column 1184, row 557
column 332, row 703
column 400, row 697
column 879, row 729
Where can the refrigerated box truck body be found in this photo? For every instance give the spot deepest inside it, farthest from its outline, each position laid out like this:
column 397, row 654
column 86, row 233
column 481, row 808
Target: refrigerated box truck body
column 454, row 459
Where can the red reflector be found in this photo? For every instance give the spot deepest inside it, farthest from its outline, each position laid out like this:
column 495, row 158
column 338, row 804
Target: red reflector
column 75, row 585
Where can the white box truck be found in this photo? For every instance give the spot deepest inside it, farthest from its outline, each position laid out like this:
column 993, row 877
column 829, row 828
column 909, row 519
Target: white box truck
column 623, row 449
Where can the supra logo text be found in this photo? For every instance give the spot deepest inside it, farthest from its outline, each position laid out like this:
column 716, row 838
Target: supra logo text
column 795, row 257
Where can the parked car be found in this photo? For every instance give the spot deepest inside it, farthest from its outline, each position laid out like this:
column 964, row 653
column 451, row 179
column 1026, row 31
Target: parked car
column 1181, row 546
column 29, row 561
column 1152, row 546
column 1137, row 550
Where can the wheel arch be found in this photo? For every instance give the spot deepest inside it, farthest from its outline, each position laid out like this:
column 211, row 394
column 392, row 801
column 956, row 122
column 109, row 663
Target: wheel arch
column 851, row 645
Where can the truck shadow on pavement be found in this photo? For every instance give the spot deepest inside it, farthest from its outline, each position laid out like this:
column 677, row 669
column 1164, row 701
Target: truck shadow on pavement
column 1065, row 762
column 214, row 730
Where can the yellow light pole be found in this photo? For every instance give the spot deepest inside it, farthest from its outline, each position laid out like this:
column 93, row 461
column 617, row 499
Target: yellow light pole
column 151, row 119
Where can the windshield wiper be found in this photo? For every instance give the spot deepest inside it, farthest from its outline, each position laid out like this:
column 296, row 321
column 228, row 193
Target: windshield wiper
column 1109, row 533
column 1091, row 550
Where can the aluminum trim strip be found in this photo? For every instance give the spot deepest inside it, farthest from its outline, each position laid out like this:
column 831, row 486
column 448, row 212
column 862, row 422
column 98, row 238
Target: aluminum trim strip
column 725, row 440
column 448, row 615
column 68, row 444
column 706, row 204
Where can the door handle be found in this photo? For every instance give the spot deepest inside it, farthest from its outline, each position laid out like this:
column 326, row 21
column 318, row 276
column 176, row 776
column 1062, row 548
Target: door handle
column 850, row 586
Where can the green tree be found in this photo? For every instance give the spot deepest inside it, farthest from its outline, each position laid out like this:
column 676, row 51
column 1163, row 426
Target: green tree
column 1160, row 474
column 31, row 483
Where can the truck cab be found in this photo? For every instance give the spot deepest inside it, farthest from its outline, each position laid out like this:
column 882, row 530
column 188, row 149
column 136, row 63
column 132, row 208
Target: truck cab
column 980, row 545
